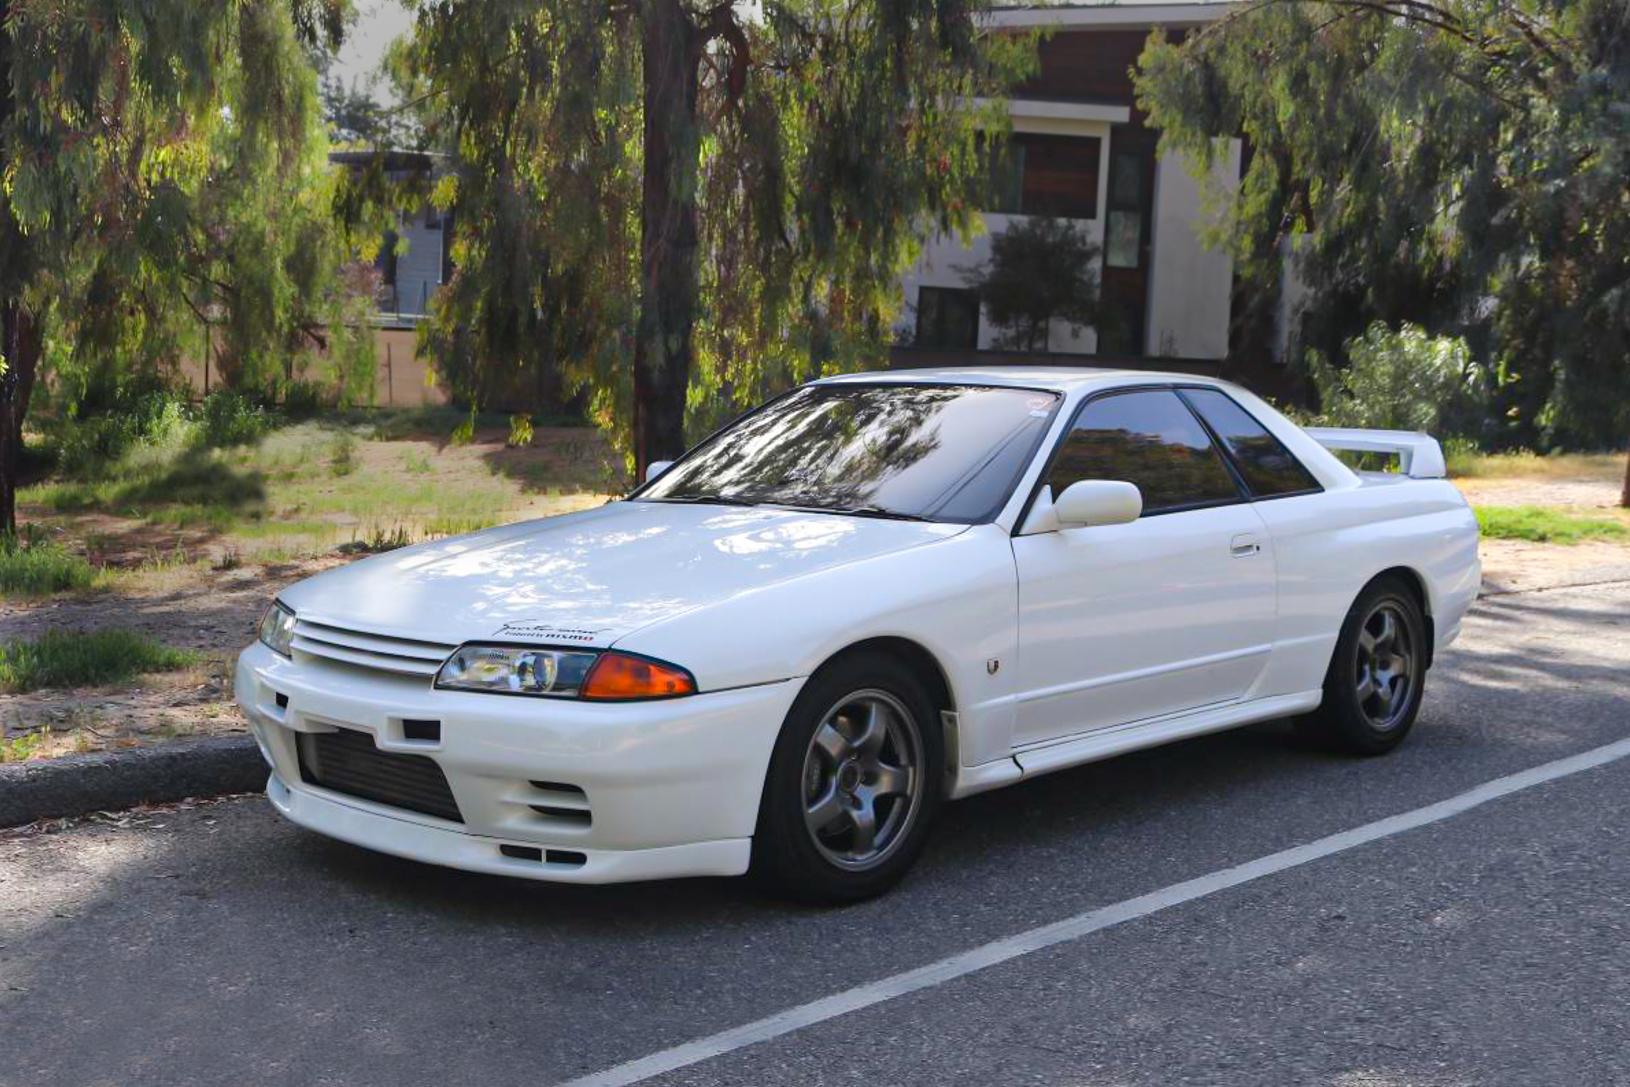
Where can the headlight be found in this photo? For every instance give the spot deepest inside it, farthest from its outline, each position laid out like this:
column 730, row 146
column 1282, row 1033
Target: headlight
column 277, row 628
column 562, row 673
column 516, row 670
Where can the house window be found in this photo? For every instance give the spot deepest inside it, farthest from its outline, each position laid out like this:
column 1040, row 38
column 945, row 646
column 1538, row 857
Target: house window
column 947, row 318
column 1123, row 230
column 1046, row 175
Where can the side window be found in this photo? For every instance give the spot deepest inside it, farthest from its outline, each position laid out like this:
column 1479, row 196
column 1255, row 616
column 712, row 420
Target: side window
column 1150, row 439
column 1268, row 467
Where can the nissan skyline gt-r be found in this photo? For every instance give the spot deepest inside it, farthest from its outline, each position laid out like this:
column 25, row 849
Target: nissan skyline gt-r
column 875, row 594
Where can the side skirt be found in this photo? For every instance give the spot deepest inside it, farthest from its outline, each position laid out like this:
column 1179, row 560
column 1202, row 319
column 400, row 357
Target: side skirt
column 1106, row 743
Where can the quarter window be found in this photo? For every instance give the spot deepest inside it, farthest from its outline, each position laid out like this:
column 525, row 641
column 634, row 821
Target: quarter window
column 1150, row 439
column 1270, row 470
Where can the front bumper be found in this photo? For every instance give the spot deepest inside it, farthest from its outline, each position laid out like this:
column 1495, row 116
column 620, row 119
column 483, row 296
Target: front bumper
column 671, row 788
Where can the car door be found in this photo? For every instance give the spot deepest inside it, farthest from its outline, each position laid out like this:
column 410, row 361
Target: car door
column 1169, row 613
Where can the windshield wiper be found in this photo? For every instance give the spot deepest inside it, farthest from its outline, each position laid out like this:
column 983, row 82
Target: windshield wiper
column 879, row 511
column 858, row 511
column 702, row 500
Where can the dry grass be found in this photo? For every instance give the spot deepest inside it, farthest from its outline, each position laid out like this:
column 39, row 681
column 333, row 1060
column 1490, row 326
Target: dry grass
column 305, row 490
column 1595, row 467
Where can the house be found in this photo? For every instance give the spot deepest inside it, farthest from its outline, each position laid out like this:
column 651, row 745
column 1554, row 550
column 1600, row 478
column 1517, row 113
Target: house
column 415, row 259
column 1081, row 150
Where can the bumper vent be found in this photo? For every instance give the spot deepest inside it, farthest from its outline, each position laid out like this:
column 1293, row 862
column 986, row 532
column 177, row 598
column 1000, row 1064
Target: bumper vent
column 378, row 652
column 348, row 762
column 567, row 805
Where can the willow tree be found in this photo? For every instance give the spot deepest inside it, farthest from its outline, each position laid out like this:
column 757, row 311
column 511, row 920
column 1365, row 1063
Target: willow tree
column 1461, row 163
column 154, row 157
column 684, row 206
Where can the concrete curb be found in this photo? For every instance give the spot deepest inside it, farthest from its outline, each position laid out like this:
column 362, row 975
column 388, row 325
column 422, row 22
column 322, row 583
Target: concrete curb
column 111, row 780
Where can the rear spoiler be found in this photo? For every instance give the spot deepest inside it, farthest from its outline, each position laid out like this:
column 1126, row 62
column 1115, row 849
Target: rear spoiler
column 1419, row 455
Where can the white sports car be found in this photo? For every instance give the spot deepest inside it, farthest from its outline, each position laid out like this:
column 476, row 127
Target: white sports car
column 872, row 595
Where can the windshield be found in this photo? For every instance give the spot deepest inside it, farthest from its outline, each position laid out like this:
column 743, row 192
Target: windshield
column 934, row 452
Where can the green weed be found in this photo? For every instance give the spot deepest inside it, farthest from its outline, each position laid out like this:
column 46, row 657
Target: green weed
column 1542, row 525
column 60, row 658
column 38, row 567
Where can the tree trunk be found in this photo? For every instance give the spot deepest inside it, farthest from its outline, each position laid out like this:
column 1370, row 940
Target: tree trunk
column 668, row 285
column 20, row 336
column 1624, row 495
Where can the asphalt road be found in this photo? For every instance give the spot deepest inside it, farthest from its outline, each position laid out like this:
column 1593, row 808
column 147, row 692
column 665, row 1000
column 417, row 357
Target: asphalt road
column 219, row 946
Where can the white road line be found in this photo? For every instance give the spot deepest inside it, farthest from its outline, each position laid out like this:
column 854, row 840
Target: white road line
column 1084, row 924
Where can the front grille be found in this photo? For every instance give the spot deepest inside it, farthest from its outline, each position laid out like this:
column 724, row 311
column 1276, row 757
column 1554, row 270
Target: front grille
column 348, row 762
column 380, row 652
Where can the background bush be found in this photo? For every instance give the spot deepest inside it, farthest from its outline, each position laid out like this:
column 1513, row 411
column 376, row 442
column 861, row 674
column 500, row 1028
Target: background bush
column 1403, row 380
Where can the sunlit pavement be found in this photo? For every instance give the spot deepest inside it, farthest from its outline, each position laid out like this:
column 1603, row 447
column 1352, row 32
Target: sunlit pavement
column 217, row 945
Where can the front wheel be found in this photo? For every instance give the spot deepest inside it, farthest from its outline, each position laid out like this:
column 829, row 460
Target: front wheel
column 1372, row 691
column 854, row 782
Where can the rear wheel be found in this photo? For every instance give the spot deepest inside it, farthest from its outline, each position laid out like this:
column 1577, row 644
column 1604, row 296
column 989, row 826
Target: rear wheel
column 1372, row 691
column 853, row 784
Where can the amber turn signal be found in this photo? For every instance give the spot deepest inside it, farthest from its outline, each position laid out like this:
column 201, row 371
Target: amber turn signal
column 623, row 677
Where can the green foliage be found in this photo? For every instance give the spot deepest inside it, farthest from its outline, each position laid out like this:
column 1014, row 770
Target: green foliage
column 801, row 221
column 342, row 454
column 155, row 417
column 22, row 747
column 1542, row 525
column 1459, row 164
column 1039, row 269
column 228, row 419
column 520, row 431
column 39, row 567
column 168, row 195
column 61, row 658
column 303, row 399
column 1403, row 380
column 135, row 427
column 464, row 433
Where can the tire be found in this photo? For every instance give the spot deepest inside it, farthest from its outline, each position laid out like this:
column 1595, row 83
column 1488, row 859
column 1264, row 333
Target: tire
column 1372, row 690
column 861, row 747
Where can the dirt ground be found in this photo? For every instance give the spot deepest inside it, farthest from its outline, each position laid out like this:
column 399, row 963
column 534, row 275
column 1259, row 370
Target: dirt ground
column 214, row 612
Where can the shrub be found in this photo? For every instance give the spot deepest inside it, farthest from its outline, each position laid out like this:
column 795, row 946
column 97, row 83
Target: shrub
column 61, row 658
column 520, row 431
column 1403, row 380
column 228, row 419
column 342, row 454
column 37, row 567
column 303, row 399
column 86, row 446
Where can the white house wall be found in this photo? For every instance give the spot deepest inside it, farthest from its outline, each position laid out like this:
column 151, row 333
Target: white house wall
column 418, row 271
column 1190, row 286
column 944, row 258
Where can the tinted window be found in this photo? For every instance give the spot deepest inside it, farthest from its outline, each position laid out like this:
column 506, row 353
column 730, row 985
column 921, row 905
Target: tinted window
column 1268, row 467
column 1150, row 439
column 943, row 452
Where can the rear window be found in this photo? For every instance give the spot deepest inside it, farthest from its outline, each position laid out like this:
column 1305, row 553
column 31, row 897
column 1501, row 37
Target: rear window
column 1270, row 470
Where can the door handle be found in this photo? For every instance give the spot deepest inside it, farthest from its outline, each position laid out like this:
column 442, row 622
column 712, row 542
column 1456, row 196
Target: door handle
column 1244, row 546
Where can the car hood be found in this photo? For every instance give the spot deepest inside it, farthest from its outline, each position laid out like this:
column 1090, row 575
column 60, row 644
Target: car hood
column 593, row 577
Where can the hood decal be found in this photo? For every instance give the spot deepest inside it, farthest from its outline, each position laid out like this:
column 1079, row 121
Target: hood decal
column 543, row 631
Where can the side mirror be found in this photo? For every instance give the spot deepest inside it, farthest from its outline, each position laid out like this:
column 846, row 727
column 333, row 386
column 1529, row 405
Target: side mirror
column 1098, row 502
column 656, row 468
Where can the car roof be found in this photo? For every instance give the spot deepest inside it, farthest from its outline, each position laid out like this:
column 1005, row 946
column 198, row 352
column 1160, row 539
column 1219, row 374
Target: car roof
column 1062, row 379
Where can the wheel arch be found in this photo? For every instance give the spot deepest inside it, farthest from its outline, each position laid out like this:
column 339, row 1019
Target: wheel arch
column 1411, row 579
column 914, row 656
column 922, row 663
